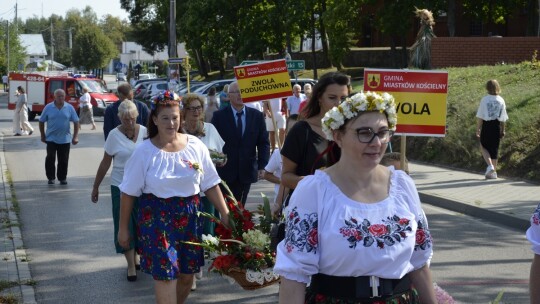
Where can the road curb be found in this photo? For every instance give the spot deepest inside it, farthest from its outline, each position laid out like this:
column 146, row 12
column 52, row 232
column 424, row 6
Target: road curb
column 23, row 269
column 492, row 216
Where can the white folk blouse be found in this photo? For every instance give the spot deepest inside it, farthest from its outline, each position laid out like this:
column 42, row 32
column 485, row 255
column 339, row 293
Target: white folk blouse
column 169, row 174
column 327, row 232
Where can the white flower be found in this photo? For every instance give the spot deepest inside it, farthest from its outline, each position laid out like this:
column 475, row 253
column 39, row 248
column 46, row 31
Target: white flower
column 256, row 239
column 360, row 102
column 209, row 239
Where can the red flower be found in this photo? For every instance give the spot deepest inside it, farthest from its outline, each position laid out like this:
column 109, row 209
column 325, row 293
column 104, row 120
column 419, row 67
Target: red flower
column 248, row 225
column 312, row 237
column 403, row 221
column 163, row 261
column 147, row 215
column 259, row 255
column 183, row 221
column 420, row 237
column 378, row 229
column 163, row 240
column 320, row 298
column 223, row 232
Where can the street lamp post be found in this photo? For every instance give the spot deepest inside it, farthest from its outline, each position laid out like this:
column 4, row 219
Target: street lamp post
column 172, row 34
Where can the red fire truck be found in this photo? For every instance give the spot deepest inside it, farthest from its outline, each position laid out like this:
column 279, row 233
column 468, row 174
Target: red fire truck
column 40, row 87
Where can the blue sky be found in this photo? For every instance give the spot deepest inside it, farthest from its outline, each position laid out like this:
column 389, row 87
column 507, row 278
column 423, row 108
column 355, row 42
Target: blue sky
column 29, row 8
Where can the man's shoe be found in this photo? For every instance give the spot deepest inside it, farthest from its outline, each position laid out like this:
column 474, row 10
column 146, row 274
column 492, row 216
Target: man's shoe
column 63, row 182
column 51, row 182
column 17, row 134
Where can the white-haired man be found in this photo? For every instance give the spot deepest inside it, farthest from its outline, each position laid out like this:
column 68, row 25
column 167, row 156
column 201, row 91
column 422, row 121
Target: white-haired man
column 293, row 102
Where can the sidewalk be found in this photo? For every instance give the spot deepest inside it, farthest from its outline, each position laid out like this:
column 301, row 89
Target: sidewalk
column 503, row 201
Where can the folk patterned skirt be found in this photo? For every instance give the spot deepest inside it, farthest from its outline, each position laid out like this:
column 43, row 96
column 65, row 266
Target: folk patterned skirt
column 164, row 225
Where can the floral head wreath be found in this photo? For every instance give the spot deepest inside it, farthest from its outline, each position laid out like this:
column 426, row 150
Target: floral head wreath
column 164, row 97
column 354, row 105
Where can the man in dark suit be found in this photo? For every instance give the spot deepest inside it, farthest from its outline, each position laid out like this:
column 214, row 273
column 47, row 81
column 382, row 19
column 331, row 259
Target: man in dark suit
column 246, row 144
column 111, row 119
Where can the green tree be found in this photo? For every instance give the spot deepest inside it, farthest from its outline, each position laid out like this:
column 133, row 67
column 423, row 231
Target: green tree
column 17, row 52
column 92, row 49
column 492, row 12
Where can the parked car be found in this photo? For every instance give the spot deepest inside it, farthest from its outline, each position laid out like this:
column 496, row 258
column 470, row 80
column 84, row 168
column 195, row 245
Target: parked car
column 121, row 77
column 154, row 88
column 140, row 89
column 147, row 76
column 149, row 80
column 193, row 85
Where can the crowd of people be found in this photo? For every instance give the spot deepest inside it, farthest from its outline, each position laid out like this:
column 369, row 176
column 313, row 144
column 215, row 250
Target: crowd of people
column 332, row 177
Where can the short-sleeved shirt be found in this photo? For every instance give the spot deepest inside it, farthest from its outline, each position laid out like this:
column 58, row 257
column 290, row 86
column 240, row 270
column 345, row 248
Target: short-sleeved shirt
column 329, row 233
column 304, row 146
column 293, row 103
column 120, row 148
column 492, row 107
column 169, row 174
column 212, row 140
column 274, row 166
column 85, row 100
column 58, row 129
column 533, row 233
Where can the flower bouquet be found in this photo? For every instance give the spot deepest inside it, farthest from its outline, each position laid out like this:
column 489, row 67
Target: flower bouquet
column 218, row 158
column 242, row 250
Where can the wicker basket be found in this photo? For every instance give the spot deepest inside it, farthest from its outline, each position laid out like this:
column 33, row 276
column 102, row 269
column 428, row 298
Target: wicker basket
column 248, row 282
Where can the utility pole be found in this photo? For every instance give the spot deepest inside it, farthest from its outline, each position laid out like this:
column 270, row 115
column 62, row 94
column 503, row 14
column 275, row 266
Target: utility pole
column 172, row 33
column 52, row 46
column 16, row 26
column 7, row 69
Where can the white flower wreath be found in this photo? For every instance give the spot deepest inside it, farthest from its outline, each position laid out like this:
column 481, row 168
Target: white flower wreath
column 360, row 102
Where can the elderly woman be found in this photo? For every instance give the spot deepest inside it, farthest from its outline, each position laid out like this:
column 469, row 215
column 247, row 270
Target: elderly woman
column 20, row 119
column 119, row 146
column 356, row 230
column 167, row 172
column 86, row 116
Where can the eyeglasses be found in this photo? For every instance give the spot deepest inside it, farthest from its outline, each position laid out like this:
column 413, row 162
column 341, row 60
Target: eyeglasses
column 367, row 135
column 193, row 109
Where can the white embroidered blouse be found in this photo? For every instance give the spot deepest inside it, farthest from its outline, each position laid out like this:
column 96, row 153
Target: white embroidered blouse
column 327, row 232
column 168, row 174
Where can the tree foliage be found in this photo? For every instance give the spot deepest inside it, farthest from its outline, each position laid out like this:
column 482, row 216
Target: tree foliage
column 86, row 52
column 17, row 52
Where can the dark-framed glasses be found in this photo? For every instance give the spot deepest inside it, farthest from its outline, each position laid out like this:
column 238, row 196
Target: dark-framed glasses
column 367, row 135
column 193, row 109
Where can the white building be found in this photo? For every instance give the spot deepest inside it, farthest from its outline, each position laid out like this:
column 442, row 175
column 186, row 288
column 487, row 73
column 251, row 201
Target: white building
column 34, row 46
column 133, row 53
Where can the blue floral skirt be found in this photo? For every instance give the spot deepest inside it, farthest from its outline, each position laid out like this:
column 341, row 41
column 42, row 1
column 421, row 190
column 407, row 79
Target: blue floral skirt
column 164, row 225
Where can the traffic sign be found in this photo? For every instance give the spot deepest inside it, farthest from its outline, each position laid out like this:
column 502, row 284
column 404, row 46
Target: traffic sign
column 296, row 65
column 246, row 62
column 175, row 60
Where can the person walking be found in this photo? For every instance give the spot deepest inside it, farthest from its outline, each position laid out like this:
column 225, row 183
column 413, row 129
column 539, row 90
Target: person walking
column 167, row 172
column 491, row 117
column 111, row 120
column 211, row 105
column 246, row 144
column 5, row 81
column 85, row 107
column 224, row 98
column 58, row 138
column 306, row 148
column 293, row 102
column 356, row 231
column 118, row 148
column 21, row 125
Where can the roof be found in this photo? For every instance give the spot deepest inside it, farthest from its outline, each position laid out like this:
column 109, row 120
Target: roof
column 34, row 44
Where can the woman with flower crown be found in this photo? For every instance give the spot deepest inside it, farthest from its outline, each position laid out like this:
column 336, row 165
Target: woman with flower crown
column 167, row 172
column 356, row 230
column 533, row 235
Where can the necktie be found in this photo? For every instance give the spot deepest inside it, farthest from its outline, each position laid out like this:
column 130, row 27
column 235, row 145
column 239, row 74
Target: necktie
column 239, row 124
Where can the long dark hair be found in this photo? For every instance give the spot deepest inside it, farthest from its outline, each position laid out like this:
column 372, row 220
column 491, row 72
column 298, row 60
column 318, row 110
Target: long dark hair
column 21, row 89
column 313, row 108
column 157, row 105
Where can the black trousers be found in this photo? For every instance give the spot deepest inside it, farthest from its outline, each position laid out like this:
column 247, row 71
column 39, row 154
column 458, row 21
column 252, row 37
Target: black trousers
column 54, row 150
column 239, row 190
